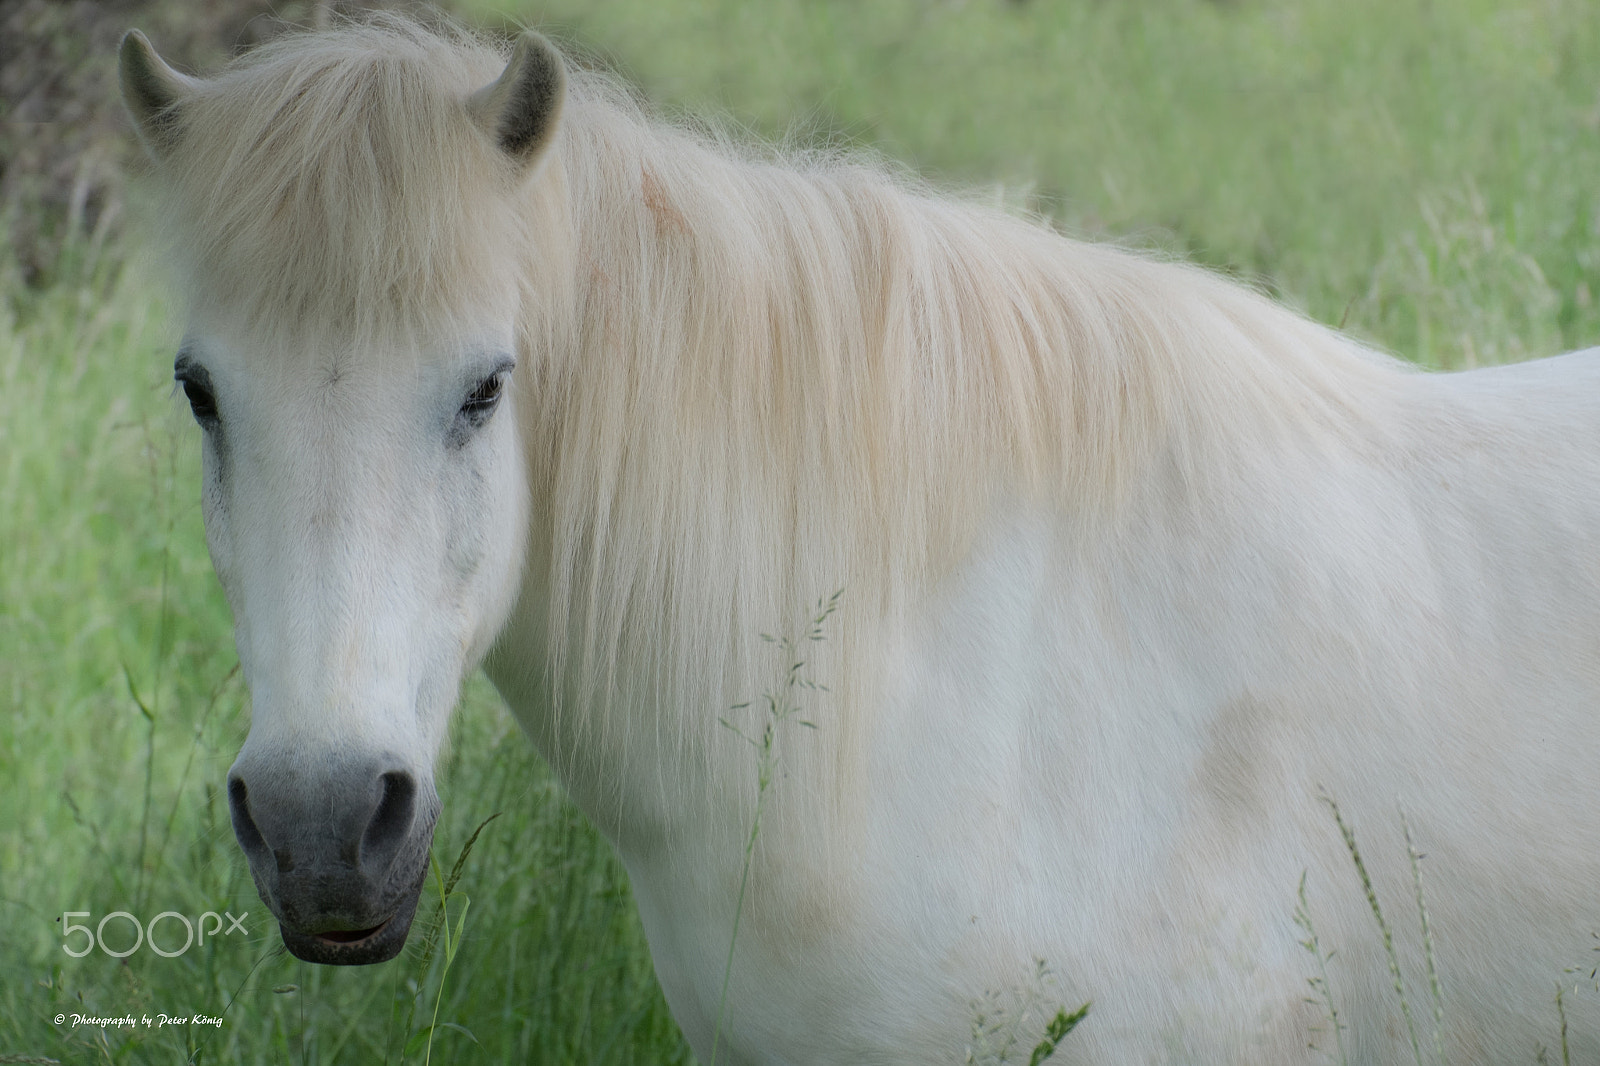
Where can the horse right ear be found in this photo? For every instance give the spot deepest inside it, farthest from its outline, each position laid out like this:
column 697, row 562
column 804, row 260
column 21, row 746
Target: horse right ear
column 521, row 108
column 151, row 90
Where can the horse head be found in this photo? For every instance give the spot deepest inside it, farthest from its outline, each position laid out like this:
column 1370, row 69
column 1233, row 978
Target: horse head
column 350, row 357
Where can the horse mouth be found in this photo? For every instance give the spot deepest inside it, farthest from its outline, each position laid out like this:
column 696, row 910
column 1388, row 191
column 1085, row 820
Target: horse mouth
column 353, row 947
column 352, row 937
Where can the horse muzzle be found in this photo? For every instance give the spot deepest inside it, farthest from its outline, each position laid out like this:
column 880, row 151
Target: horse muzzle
column 339, row 854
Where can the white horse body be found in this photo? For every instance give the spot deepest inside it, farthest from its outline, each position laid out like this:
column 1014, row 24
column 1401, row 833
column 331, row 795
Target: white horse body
column 1137, row 570
column 1111, row 755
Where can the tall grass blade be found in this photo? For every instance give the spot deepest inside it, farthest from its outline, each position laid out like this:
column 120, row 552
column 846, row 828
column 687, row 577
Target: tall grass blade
column 1383, row 925
column 1427, row 942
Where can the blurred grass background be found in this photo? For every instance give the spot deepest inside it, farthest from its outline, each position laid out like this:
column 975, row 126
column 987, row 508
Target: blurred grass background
column 1425, row 174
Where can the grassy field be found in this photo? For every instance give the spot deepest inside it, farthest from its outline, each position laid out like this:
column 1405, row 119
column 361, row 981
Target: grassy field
column 1427, row 174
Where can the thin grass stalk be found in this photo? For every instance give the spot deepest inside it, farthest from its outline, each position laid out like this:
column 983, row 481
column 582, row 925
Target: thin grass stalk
column 780, row 708
column 1383, row 925
column 1319, row 983
column 451, row 943
column 440, row 921
column 1561, row 1012
column 149, row 772
column 150, row 710
column 1427, row 943
column 738, row 908
column 188, row 764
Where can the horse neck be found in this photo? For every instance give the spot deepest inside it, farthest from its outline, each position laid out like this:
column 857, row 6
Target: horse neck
column 773, row 384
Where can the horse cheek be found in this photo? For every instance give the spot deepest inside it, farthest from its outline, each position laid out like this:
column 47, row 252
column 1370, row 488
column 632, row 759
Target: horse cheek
column 215, row 513
column 487, row 539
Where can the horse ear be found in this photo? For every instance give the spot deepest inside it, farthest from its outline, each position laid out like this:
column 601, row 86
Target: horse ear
column 521, row 108
column 151, row 90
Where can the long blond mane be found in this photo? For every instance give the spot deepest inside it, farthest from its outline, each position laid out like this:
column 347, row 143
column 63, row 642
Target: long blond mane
column 748, row 379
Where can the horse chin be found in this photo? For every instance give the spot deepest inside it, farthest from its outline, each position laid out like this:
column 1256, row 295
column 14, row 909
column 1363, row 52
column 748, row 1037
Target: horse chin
column 357, row 947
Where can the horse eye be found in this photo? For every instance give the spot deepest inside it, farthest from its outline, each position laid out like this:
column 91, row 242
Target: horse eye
column 481, row 402
column 201, row 402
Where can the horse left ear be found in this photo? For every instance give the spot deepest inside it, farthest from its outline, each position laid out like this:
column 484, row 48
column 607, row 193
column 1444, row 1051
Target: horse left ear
column 521, row 109
column 152, row 92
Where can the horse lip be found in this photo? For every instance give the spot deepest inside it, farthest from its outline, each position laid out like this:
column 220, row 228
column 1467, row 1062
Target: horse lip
column 361, row 947
column 352, row 938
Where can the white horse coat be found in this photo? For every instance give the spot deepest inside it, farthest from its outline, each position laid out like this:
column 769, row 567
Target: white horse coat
column 1138, row 570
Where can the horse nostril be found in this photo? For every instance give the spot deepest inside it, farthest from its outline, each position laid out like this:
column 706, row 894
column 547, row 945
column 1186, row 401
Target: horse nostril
column 244, row 826
column 391, row 822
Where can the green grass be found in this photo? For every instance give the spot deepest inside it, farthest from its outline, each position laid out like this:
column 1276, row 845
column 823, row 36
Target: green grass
column 1426, row 173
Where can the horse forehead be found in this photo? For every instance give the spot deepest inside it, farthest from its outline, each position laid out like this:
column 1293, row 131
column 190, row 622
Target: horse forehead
column 333, row 370
column 313, row 415
column 386, row 350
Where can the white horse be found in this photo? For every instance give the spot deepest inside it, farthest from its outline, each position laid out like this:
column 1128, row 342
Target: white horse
column 1137, row 568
